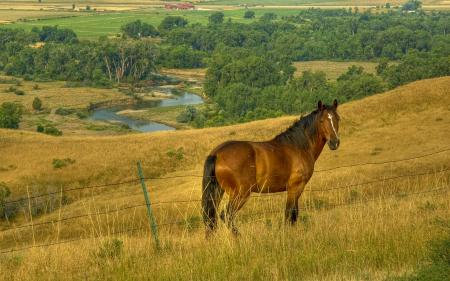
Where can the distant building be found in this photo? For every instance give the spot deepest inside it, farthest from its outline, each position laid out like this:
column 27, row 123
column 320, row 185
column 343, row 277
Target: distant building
column 180, row 6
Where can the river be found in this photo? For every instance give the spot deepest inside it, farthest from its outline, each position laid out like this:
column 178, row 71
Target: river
column 110, row 114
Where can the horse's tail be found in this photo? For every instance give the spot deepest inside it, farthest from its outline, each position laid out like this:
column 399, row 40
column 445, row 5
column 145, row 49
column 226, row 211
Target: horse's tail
column 211, row 195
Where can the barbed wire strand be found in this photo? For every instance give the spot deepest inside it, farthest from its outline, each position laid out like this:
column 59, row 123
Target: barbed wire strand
column 199, row 200
column 69, row 240
column 74, row 217
column 180, row 222
column 201, row 176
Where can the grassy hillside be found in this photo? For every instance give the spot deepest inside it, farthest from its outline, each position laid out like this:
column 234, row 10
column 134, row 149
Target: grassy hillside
column 352, row 233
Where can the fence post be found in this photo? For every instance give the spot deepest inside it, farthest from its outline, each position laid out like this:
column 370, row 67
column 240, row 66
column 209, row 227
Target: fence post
column 151, row 218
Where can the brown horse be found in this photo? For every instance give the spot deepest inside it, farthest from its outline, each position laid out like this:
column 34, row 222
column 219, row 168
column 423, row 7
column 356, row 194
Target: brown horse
column 285, row 163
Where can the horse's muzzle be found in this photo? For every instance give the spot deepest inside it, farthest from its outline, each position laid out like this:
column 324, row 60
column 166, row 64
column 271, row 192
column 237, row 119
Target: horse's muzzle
column 334, row 144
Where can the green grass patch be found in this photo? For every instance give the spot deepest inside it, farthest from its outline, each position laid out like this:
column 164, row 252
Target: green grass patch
column 92, row 26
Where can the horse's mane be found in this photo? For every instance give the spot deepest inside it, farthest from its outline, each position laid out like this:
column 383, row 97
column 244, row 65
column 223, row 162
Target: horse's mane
column 301, row 132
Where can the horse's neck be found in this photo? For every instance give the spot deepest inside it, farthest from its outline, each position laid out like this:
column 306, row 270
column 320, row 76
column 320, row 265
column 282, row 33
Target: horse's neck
column 317, row 147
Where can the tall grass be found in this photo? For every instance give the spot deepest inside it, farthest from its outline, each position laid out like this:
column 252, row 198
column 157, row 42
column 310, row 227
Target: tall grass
column 367, row 232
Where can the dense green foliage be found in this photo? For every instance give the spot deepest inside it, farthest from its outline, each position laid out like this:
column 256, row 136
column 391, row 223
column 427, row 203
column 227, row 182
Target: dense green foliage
column 412, row 5
column 138, row 29
column 172, row 22
column 250, row 73
column 10, row 115
column 54, row 34
column 249, row 14
column 216, row 18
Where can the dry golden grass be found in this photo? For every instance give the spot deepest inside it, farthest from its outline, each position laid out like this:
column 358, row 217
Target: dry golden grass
column 188, row 74
column 364, row 240
column 331, row 68
column 7, row 15
column 56, row 94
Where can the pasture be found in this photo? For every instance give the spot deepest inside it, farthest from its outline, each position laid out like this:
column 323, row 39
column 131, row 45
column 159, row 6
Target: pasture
column 347, row 231
column 92, row 25
column 332, row 69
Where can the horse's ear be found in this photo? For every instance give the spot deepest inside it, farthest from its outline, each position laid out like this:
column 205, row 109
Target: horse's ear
column 320, row 105
column 335, row 103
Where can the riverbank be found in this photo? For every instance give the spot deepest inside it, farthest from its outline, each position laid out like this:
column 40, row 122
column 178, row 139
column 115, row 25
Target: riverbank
column 164, row 115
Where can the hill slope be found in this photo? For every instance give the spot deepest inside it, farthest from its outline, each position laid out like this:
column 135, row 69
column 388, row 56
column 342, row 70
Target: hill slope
column 373, row 235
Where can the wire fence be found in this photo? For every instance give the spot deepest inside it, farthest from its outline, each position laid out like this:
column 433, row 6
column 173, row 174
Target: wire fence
column 437, row 191
column 186, row 222
column 201, row 176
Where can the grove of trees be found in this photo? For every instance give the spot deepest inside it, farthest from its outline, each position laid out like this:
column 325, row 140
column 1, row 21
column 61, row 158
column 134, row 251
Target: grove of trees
column 250, row 72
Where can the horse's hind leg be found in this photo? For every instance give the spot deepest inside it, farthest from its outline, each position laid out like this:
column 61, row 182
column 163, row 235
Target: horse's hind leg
column 234, row 205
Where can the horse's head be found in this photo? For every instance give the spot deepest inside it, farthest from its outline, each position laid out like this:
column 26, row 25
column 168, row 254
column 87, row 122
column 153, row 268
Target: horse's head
column 329, row 123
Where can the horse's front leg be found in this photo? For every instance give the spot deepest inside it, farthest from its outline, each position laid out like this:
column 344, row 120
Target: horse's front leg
column 292, row 209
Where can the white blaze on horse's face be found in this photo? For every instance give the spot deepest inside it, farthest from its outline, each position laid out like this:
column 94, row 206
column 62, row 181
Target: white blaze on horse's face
column 333, row 143
column 332, row 125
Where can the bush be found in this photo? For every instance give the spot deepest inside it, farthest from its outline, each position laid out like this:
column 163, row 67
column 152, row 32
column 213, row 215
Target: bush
column 216, row 18
column 37, row 104
column 82, row 114
column 40, row 128
column 10, row 115
column 64, row 111
column 60, row 163
column 4, row 194
column 19, row 92
column 176, row 154
column 249, row 15
column 110, row 249
column 11, row 89
column 50, row 130
column 188, row 115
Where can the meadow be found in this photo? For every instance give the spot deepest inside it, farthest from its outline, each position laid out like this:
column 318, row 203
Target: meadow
column 91, row 26
column 353, row 232
column 332, row 69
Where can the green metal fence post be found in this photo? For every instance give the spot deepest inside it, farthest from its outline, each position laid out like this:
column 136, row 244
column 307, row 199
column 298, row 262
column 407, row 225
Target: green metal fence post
column 153, row 225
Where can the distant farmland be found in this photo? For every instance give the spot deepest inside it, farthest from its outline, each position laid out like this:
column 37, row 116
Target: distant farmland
column 332, row 69
column 92, row 26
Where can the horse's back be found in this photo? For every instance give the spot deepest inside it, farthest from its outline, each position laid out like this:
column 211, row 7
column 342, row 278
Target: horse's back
column 257, row 166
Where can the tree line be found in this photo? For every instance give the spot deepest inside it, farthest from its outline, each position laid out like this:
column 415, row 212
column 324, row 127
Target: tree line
column 250, row 72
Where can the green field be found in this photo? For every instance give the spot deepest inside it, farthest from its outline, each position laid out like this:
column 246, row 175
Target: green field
column 91, row 26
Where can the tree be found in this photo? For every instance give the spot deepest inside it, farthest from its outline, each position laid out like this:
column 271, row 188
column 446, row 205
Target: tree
column 137, row 29
column 268, row 17
column 37, row 104
column 249, row 15
column 171, row 22
column 10, row 115
column 412, row 5
column 216, row 18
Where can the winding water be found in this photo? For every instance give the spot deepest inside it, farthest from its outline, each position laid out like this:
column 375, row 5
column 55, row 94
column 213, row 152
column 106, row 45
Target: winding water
column 110, row 114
